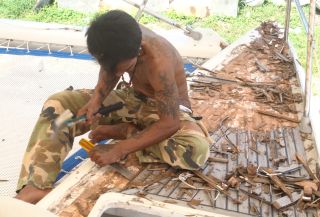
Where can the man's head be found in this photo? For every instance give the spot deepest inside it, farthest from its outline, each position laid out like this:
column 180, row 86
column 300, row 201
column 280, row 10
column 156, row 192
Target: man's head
column 114, row 37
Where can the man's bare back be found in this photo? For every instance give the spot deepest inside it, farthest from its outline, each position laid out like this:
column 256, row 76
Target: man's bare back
column 159, row 56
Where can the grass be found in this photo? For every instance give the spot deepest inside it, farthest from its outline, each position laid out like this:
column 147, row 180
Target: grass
column 14, row 8
column 23, row 9
column 58, row 15
column 229, row 28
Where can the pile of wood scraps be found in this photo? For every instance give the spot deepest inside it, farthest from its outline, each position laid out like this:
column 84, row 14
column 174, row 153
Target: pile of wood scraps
column 257, row 81
column 252, row 172
column 263, row 172
column 303, row 192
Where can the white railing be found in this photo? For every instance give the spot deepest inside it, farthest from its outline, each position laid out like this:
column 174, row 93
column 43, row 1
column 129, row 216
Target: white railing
column 310, row 122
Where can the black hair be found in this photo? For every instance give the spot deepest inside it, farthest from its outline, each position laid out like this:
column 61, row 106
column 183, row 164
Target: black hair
column 113, row 37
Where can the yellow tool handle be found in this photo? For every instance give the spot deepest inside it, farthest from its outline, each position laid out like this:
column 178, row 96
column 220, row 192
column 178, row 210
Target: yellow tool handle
column 86, row 145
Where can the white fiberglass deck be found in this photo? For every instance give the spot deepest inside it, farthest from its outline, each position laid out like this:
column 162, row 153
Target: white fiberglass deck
column 25, row 83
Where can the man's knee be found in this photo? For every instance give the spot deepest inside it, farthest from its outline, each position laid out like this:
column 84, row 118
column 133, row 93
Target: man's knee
column 196, row 155
column 52, row 106
column 190, row 155
column 72, row 100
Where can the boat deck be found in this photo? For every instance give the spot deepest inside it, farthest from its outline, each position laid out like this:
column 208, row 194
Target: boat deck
column 250, row 100
column 256, row 149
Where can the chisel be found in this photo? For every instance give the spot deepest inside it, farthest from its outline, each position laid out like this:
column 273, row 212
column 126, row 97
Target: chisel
column 67, row 119
column 88, row 146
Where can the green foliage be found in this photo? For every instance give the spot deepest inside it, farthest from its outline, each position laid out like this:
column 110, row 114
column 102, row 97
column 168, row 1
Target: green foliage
column 241, row 4
column 15, row 8
column 59, row 15
column 182, row 19
column 145, row 19
column 249, row 17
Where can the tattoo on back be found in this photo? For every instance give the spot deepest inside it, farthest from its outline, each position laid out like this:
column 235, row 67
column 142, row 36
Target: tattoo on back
column 167, row 99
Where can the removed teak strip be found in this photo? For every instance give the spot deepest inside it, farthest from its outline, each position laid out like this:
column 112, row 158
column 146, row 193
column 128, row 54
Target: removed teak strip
column 194, row 203
column 278, row 116
column 255, row 197
column 306, row 166
column 285, row 201
column 279, row 183
column 218, row 159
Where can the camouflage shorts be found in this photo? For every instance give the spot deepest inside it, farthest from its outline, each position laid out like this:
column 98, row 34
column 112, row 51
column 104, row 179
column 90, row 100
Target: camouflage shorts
column 186, row 149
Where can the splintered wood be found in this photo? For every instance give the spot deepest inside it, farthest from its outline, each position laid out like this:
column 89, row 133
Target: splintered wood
column 253, row 88
column 255, row 165
column 79, row 200
column 245, row 181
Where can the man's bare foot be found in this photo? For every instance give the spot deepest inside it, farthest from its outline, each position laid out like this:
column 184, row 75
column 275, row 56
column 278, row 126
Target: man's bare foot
column 32, row 194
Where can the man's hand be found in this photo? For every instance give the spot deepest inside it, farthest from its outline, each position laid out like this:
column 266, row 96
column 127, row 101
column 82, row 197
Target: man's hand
column 90, row 109
column 105, row 154
column 99, row 133
column 104, row 86
column 116, row 131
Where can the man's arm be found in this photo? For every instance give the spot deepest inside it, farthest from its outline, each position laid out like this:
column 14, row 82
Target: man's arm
column 105, row 85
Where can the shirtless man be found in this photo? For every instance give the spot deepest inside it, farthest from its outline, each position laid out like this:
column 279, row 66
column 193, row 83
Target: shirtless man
column 156, row 122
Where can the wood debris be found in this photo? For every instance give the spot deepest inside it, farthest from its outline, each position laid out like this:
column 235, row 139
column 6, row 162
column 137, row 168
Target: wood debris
column 272, row 114
column 254, row 209
column 278, row 160
column 170, row 201
column 308, row 187
column 278, row 182
column 261, row 67
column 285, row 201
column 265, row 82
column 262, row 200
column 306, row 166
column 252, row 170
column 234, row 182
column 193, row 203
column 256, row 98
column 266, row 180
column 218, row 159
